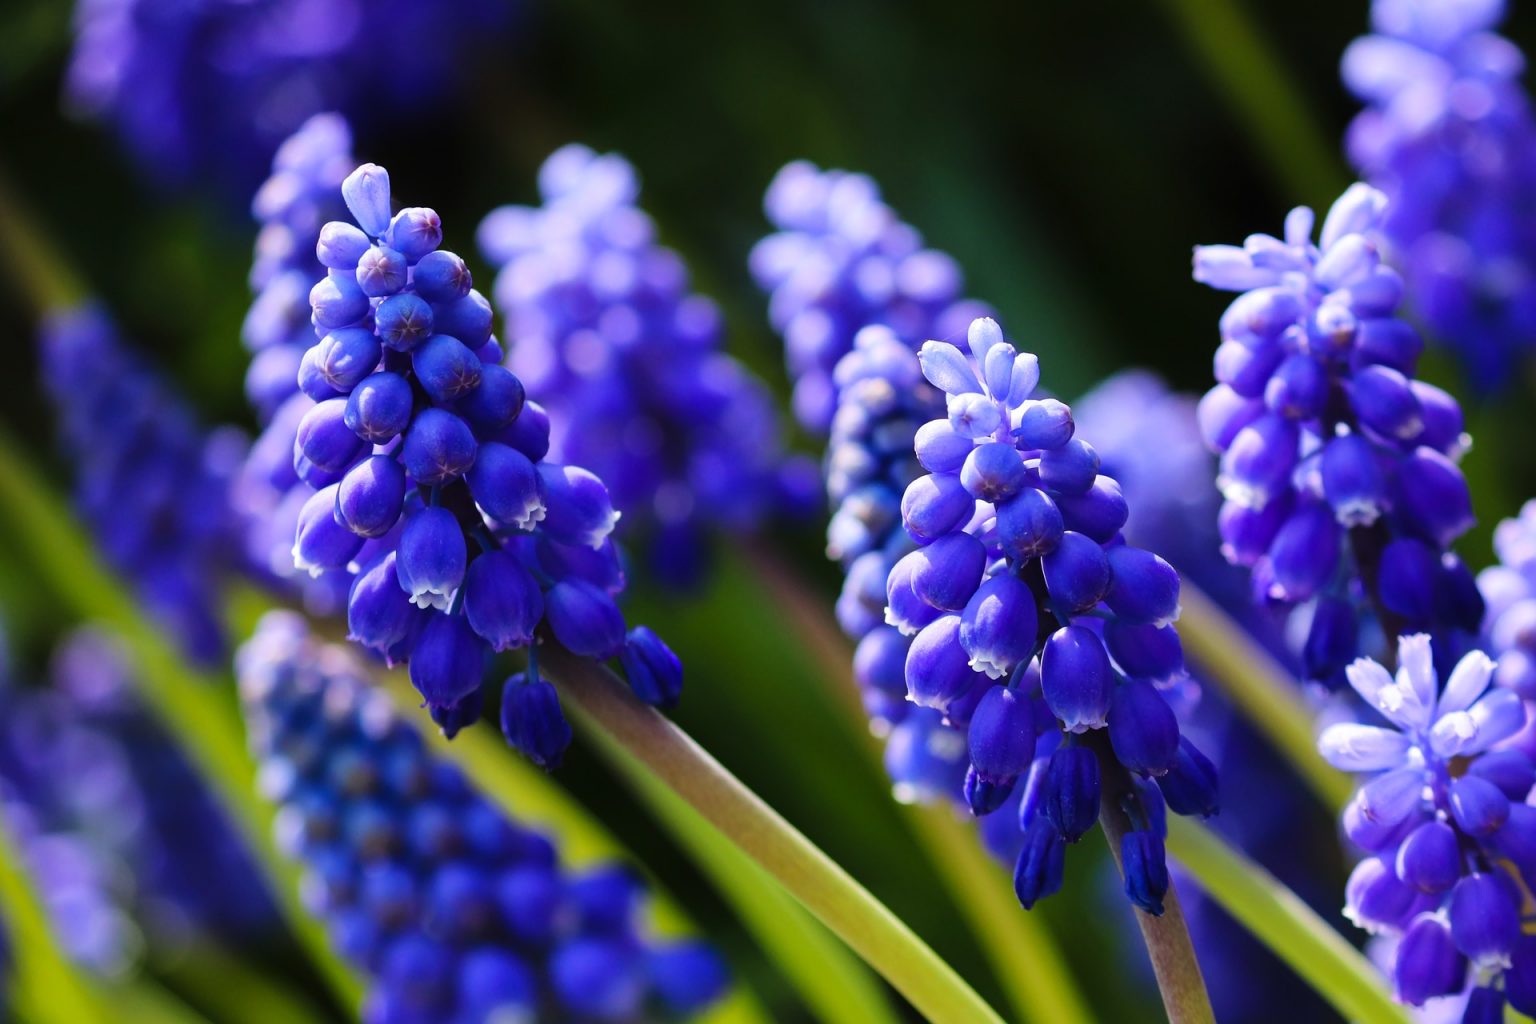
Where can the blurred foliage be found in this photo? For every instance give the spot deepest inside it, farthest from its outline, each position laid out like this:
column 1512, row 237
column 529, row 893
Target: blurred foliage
column 1067, row 155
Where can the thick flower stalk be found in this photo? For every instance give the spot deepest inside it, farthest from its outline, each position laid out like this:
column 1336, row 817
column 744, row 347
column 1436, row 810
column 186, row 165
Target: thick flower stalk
column 1338, row 468
column 605, row 331
column 432, row 488
column 453, row 911
column 1035, row 628
column 1448, row 134
column 207, row 89
column 149, row 484
column 1444, row 818
column 300, row 197
column 840, row 261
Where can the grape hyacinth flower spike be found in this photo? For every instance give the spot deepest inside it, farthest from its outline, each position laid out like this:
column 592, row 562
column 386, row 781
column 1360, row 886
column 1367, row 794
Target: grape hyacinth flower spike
column 430, row 482
column 605, row 330
column 1443, row 815
column 453, row 911
column 1035, row 627
column 842, row 260
column 1448, row 134
column 151, row 486
column 202, row 91
column 1338, row 467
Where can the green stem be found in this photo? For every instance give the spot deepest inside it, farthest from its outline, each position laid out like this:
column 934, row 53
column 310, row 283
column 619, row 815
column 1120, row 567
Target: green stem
column 1024, row 958
column 44, row 986
column 1262, row 97
column 835, row 985
column 1262, row 690
column 824, row 888
column 1278, row 918
column 193, row 707
column 1165, row 935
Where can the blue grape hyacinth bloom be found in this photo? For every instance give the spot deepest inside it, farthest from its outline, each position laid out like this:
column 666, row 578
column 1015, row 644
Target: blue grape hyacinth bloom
column 842, row 260
column 606, row 333
column 1448, row 134
column 152, row 487
column 1338, row 467
column 454, row 911
column 428, row 482
column 1444, row 817
column 1035, row 628
column 206, row 89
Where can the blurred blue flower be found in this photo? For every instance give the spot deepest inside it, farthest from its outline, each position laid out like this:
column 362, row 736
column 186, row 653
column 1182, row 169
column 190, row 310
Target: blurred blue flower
column 1447, row 134
column 206, row 89
column 454, row 911
column 605, row 332
column 152, row 487
column 842, row 260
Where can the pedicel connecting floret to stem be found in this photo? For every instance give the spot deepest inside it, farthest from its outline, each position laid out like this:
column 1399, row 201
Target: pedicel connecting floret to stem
column 1037, row 628
column 432, row 487
column 1337, row 466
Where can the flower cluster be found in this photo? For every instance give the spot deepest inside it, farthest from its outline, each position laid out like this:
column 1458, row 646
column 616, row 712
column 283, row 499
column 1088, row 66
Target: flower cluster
column 152, row 488
column 604, row 330
column 431, row 484
column 1452, row 841
column 1448, row 134
column 453, row 911
column 840, row 261
column 301, row 196
column 1035, row 627
column 1338, row 468
column 208, row 88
